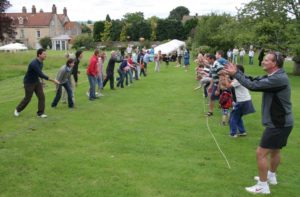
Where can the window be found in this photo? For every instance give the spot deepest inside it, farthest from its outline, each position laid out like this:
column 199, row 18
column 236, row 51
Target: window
column 63, row 47
column 57, row 44
column 22, row 34
column 38, row 33
column 21, row 20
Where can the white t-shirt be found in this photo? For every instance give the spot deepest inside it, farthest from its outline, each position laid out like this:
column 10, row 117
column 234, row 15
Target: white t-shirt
column 241, row 93
column 251, row 53
column 242, row 52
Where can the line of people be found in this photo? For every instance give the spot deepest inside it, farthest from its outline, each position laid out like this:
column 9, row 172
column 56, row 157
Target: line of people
column 132, row 66
column 230, row 85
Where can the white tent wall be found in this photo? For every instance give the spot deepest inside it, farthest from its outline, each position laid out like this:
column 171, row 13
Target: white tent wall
column 169, row 47
column 13, row 47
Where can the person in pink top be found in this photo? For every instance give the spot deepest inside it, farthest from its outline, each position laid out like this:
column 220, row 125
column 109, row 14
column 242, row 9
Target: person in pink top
column 100, row 76
column 92, row 73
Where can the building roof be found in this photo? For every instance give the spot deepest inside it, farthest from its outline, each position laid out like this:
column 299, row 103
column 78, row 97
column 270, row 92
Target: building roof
column 38, row 19
column 70, row 25
column 29, row 19
column 187, row 17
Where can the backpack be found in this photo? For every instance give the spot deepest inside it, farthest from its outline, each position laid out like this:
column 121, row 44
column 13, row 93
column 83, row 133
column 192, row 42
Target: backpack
column 225, row 100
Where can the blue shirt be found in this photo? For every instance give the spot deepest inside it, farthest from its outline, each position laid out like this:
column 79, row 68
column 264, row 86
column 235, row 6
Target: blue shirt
column 123, row 64
column 34, row 71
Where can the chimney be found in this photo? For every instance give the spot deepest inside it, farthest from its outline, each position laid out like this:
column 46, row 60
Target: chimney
column 24, row 11
column 33, row 9
column 54, row 9
column 41, row 11
column 65, row 11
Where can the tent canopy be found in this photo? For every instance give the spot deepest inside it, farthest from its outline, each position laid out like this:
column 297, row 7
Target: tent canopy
column 169, row 47
column 13, row 47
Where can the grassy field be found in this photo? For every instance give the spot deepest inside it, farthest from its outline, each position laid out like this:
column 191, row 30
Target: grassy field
column 149, row 139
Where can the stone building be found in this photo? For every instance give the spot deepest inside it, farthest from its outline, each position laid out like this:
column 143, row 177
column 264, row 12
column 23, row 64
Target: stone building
column 31, row 26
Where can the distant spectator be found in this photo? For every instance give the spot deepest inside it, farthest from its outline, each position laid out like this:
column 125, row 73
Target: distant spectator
column 186, row 58
column 251, row 56
column 242, row 54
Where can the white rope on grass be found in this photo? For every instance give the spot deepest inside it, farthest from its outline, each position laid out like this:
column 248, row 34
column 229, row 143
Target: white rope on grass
column 213, row 136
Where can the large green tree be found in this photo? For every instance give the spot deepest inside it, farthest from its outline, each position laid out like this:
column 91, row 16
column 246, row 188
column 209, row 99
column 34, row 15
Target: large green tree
column 169, row 29
column 6, row 27
column 98, row 29
column 269, row 21
column 105, row 35
column 116, row 29
column 189, row 26
column 178, row 13
column 216, row 31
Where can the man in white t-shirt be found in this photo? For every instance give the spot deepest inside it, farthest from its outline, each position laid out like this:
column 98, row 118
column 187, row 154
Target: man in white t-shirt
column 251, row 56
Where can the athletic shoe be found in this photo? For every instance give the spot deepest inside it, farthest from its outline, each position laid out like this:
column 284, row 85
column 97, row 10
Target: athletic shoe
column 42, row 116
column 258, row 189
column 16, row 113
column 242, row 134
column 233, row 136
column 271, row 180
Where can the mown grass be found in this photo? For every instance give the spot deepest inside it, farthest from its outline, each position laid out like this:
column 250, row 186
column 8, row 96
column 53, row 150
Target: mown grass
column 149, row 139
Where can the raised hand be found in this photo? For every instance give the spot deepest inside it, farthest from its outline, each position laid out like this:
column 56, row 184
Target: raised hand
column 230, row 69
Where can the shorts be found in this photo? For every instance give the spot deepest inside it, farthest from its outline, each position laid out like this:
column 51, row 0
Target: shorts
column 213, row 92
column 275, row 138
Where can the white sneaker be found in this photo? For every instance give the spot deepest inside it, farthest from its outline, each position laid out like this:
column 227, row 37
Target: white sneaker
column 258, row 189
column 271, row 180
column 42, row 116
column 16, row 113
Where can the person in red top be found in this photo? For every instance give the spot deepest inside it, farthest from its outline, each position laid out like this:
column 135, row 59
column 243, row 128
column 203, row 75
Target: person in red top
column 129, row 70
column 92, row 73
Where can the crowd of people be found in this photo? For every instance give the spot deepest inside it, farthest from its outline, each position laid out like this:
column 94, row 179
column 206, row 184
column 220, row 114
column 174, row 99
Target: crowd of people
column 224, row 80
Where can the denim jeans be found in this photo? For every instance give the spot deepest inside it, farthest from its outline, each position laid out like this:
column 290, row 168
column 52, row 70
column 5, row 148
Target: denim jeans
column 121, row 78
column 57, row 97
column 236, row 122
column 92, row 81
column 137, row 72
column 128, row 76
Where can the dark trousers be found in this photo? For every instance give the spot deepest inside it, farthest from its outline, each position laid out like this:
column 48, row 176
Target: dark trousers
column 36, row 88
column 111, row 79
column 121, row 78
column 68, row 89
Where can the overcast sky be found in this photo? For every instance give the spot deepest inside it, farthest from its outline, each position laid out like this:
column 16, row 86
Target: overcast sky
column 83, row 10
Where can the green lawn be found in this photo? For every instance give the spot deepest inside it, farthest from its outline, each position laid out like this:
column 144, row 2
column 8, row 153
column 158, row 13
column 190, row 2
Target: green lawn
column 149, row 139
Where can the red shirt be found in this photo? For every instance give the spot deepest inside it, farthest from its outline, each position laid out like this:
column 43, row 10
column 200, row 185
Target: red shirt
column 92, row 69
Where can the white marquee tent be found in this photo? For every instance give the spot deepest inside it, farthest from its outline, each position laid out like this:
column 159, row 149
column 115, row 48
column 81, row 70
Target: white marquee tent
column 169, row 47
column 13, row 47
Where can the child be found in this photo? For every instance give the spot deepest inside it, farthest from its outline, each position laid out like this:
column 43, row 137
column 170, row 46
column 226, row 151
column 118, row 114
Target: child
column 243, row 106
column 225, row 97
column 63, row 76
